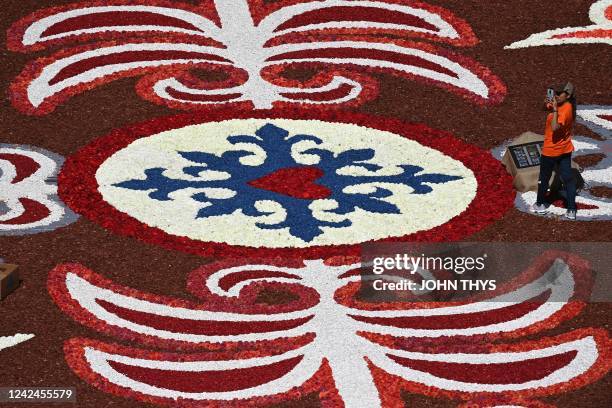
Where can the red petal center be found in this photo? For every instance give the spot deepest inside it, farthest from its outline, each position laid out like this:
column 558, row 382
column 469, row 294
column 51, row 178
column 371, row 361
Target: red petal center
column 207, row 381
column 296, row 182
column 516, row 372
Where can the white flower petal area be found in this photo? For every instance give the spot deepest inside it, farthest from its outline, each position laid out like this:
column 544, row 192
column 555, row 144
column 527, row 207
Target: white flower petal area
column 600, row 32
column 331, row 335
column 596, row 117
column 10, row 341
column 38, row 31
column 54, row 79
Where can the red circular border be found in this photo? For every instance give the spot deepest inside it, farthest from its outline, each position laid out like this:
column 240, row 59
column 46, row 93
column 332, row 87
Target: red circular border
column 78, row 187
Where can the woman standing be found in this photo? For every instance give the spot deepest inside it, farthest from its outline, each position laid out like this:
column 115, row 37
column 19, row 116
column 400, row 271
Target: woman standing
column 558, row 148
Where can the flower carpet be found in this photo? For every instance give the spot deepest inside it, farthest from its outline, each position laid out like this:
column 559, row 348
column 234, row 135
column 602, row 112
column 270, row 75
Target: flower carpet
column 187, row 187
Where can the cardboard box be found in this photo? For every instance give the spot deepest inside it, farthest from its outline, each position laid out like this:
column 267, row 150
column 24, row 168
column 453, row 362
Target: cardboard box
column 521, row 164
column 522, row 161
column 9, row 279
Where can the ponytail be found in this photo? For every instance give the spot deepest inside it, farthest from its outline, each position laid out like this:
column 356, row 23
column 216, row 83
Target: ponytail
column 572, row 100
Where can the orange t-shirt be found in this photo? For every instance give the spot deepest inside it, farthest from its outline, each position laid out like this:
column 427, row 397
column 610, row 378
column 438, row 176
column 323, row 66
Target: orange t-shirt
column 559, row 142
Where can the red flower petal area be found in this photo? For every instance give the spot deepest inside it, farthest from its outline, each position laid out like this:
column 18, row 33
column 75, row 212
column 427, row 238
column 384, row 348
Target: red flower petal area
column 321, row 383
column 299, row 182
column 597, row 33
column 466, row 37
column 24, row 166
column 79, row 189
column 395, row 385
column 33, row 212
column 16, row 32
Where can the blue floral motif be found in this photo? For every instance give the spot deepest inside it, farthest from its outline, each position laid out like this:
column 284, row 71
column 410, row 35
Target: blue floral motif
column 277, row 144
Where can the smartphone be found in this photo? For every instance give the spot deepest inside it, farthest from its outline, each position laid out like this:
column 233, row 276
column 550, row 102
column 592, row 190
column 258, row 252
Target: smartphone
column 550, row 94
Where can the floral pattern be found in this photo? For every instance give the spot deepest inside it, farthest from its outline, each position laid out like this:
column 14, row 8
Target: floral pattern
column 228, row 184
column 349, row 352
column 285, row 195
column 250, row 42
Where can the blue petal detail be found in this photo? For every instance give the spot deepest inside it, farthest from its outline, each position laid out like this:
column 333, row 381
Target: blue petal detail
column 277, row 145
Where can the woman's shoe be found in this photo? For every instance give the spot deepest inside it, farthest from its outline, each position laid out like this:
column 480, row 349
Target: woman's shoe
column 571, row 215
column 539, row 209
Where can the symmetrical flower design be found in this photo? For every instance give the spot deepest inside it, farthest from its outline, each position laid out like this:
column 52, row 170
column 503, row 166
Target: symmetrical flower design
column 28, row 191
column 287, row 182
column 591, row 207
column 326, row 340
column 250, row 44
column 302, row 183
column 291, row 188
column 600, row 31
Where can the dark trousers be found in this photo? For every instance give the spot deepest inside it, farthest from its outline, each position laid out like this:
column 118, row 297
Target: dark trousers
column 547, row 165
